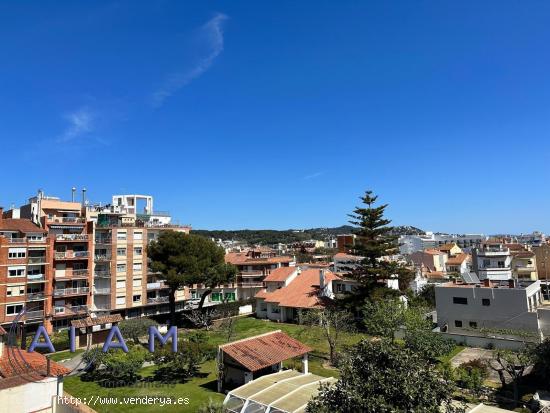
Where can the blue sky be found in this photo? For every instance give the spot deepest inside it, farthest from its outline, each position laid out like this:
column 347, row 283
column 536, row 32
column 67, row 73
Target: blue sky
column 280, row 114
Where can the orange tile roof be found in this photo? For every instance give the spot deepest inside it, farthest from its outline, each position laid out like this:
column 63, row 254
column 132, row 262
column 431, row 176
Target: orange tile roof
column 302, row 292
column 280, row 274
column 258, row 352
column 344, row 256
column 446, row 247
column 458, row 259
column 15, row 362
column 21, row 225
column 433, row 251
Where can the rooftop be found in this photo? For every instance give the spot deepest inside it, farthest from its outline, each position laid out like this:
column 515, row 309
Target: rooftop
column 258, row 352
column 281, row 273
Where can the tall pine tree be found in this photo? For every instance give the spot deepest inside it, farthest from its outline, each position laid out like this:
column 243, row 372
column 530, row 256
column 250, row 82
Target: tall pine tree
column 374, row 242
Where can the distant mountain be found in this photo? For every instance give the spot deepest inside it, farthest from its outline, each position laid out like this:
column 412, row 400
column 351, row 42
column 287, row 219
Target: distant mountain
column 271, row 236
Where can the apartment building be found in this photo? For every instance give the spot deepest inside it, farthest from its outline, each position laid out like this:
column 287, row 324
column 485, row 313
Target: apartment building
column 25, row 272
column 412, row 243
column 492, row 261
column 524, row 262
column 253, row 266
column 497, row 305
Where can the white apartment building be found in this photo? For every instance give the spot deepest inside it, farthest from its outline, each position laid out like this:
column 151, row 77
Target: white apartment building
column 492, row 305
column 492, row 261
column 412, row 243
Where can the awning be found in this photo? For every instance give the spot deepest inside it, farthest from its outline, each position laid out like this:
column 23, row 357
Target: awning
column 77, row 227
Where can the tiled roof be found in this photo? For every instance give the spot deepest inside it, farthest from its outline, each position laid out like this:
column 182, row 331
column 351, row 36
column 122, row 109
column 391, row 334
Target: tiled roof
column 458, row 259
column 258, row 352
column 446, row 247
column 433, row 251
column 280, row 274
column 344, row 256
column 16, row 362
column 302, row 292
column 89, row 321
column 21, row 225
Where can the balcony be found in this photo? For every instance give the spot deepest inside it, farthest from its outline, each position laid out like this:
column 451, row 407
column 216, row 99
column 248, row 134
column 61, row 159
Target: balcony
column 25, row 240
column 256, row 273
column 66, row 220
column 36, row 277
column 251, row 284
column 101, row 307
column 70, row 310
column 72, row 255
column 102, row 274
column 37, row 260
column 72, row 237
column 36, row 296
column 33, row 315
column 157, row 300
column 156, row 286
column 103, row 240
column 71, row 291
column 102, row 257
column 102, row 291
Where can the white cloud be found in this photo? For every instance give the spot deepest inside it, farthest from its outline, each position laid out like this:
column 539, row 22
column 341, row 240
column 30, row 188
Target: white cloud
column 80, row 123
column 213, row 32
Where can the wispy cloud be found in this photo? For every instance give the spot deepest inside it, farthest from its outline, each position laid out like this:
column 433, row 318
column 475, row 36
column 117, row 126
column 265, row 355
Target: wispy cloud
column 313, row 175
column 213, row 33
column 81, row 122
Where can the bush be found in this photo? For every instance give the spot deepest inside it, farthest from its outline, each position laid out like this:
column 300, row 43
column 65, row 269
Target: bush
column 428, row 344
column 471, row 375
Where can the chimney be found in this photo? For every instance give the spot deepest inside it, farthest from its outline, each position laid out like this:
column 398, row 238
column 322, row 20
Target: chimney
column 321, row 279
column 83, row 196
column 487, row 283
column 73, row 192
column 511, row 283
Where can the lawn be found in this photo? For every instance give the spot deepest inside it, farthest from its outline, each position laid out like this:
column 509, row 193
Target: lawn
column 65, row 355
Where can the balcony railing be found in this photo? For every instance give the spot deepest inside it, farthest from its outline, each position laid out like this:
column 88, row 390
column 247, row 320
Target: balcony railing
column 24, row 240
column 66, row 220
column 257, row 273
column 156, row 286
column 103, row 240
column 101, row 307
column 37, row 260
column 251, row 284
column 71, row 255
column 36, row 277
column 102, row 274
column 69, row 310
column 80, row 273
column 156, row 300
column 71, row 237
column 102, row 257
column 35, row 296
column 30, row 315
column 102, row 291
column 71, row 291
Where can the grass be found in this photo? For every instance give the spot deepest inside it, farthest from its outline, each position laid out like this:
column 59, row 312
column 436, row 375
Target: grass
column 448, row 357
column 65, row 355
column 199, row 390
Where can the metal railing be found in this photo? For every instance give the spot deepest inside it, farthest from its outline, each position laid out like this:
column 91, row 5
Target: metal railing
column 102, row 257
column 35, row 296
column 24, row 240
column 251, row 284
column 36, row 277
column 102, row 274
column 67, row 220
column 71, row 291
column 37, row 260
column 156, row 300
column 71, row 237
column 103, row 240
column 34, row 314
column 156, row 285
column 101, row 307
column 102, row 291
column 80, row 273
column 71, row 254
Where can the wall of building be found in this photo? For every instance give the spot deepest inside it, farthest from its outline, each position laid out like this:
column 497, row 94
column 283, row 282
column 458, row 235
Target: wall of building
column 42, row 394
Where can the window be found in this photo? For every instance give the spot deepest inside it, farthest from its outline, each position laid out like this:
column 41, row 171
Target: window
column 486, row 302
column 120, row 300
column 121, row 284
column 15, row 291
column 121, row 268
column 500, row 264
column 460, row 300
column 458, row 323
column 121, row 235
column 216, row 296
column 16, row 271
column 138, row 251
column 137, row 282
column 275, row 310
column 15, row 253
column 14, row 309
column 138, row 236
column 473, row 324
column 193, row 294
column 137, row 266
column 121, row 252
column 136, row 298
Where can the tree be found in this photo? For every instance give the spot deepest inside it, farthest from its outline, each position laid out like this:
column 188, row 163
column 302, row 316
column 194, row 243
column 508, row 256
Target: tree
column 227, row 326
column 515, row 363
column 378, row 376
column 383, row 318
column 187, row 259
column 135, row 328
column 211, row 407
column 374, row 241
column 202, row 318
column 333, row 322
column 471, row 375
column 541, row 355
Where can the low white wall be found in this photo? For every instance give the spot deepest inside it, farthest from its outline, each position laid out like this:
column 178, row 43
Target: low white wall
column 30, row 397
column 245, row 309
column 484, row 342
